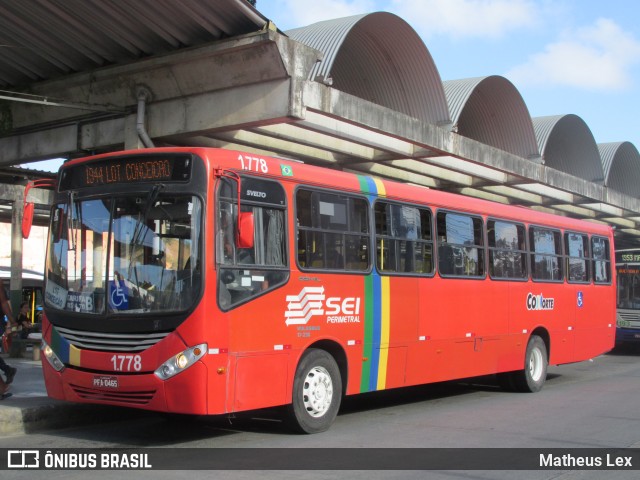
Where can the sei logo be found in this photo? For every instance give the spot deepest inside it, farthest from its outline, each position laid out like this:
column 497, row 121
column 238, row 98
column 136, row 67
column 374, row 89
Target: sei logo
column 345, row 310
column 343, row 306
column 311, row 301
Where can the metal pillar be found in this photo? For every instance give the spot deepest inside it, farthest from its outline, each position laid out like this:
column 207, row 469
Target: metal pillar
column 15, row 285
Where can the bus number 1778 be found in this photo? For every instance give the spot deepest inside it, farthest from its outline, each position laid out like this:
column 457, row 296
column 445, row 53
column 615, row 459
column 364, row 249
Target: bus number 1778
column 123, row 363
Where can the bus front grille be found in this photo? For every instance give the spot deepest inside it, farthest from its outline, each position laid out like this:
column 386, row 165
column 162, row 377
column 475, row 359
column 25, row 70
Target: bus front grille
column 630, row 317
column 142, row 397
column 111, row 342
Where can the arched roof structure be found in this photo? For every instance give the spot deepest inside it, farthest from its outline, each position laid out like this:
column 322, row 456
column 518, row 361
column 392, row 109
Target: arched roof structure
column 621, row 164
column 380, row 58
column 492, row 111
column 567, row 144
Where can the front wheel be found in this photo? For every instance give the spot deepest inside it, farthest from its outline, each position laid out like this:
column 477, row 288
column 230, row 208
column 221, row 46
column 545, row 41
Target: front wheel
column 532, row 378
column 317, row 393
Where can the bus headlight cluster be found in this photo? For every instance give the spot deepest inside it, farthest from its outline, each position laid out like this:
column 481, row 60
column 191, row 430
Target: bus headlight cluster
column 51, row 357
column 181, row 361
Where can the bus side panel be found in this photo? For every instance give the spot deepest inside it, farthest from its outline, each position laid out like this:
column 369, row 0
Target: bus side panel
column 595, row 321
column 491, row 312
column 521, row 322
column 260, row 381
column 463, row 323
column 548, row 306
column 429, row 360
column 403, row 310
column 563, row 325
column 396, row 367
column 513, row 342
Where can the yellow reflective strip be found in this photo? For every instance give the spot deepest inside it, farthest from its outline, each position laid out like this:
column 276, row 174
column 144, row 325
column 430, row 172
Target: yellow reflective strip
column 385, row 329
column 380, row 186
column 74, row 355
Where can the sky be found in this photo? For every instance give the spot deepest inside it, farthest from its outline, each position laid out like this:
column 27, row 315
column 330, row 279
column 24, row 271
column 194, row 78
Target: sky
column 578, row 57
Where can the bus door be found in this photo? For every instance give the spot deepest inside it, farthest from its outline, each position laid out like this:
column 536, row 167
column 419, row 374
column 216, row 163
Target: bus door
column 592, row 301
column 404, row 257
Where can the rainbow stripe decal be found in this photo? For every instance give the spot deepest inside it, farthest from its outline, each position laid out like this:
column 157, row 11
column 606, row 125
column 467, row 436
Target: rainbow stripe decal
column 377, row 323
column 67, row 353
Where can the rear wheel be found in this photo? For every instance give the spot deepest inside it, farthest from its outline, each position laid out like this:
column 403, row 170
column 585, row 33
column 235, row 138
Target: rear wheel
column 317, row 393
column 532, row 378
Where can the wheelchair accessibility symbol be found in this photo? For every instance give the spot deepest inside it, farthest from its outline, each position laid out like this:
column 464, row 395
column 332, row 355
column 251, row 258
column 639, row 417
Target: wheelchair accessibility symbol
column 580, row 299
column 118, row 297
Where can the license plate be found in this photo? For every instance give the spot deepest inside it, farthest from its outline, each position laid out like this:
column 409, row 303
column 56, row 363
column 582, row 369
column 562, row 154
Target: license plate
column 105, row 382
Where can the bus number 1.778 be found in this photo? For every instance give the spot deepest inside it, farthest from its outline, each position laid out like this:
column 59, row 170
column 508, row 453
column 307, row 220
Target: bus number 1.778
column 254, row 164
column 123, row 363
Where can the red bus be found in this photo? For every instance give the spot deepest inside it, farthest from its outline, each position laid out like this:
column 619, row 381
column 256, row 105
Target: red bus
column 207, row 281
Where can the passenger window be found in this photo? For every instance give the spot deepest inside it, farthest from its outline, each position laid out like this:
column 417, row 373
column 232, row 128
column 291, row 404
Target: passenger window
column 577, row 248
column 333, row 231
column 507, row 250
column 460, row 246
column 601, row 260
column 404, row 242
column 546, row 256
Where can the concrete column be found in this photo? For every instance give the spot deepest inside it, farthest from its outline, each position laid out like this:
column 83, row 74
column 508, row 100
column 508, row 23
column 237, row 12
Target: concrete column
column 15, row 286
column 131, row 139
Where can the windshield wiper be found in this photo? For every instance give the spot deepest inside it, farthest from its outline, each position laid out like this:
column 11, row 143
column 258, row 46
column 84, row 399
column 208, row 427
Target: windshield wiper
column 152, row 196
column 71, row 244
column 141, row 226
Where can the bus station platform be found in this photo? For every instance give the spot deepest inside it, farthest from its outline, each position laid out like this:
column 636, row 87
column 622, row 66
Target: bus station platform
column 29, row 409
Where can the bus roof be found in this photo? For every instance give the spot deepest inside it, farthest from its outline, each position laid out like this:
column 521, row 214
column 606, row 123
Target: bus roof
column 323, row 177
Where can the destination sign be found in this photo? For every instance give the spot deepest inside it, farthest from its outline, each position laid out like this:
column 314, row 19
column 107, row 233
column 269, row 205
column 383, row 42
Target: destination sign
column 629, row 257
column 628, row 271
column 119, row 170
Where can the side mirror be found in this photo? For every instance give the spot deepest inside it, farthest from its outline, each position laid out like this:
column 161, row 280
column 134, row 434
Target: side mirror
column 28, row 208
column 27, row 219
column 245, row 230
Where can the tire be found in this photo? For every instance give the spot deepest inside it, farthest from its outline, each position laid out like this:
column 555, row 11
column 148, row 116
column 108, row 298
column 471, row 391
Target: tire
column 317, row 393
column 532, row 377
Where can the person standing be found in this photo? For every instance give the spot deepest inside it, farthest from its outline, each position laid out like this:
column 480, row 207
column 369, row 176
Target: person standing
column 24, row 323
column 8, row 370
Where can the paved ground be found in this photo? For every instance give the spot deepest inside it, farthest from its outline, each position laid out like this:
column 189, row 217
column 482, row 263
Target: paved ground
column 29, row 409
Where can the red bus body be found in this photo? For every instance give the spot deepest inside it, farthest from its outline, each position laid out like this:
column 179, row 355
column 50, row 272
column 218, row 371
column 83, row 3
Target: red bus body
column 384, row 331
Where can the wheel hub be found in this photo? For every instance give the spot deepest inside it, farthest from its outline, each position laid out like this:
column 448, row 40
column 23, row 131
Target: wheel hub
column 317, row 392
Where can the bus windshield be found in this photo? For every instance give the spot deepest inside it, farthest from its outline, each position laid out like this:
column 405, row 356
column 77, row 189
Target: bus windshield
column 629, row 287
column 124, row 255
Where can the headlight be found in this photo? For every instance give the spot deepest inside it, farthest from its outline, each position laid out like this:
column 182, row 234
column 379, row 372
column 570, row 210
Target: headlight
column 51, row 356
column 181, row 361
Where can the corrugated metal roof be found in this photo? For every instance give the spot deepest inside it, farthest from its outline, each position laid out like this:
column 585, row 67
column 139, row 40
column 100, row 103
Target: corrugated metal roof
column 492, row 111
column 11, row 175
column 621, row 163
column 567, row 144
column 44, row 39
column 380, row 58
